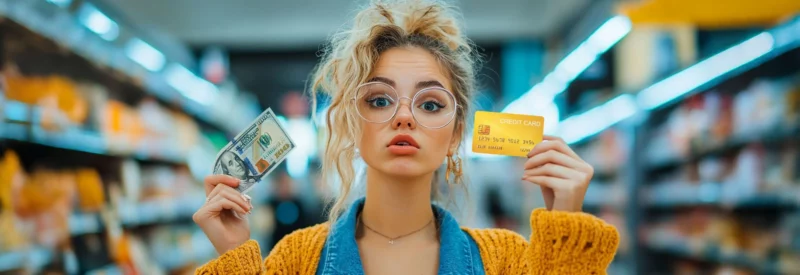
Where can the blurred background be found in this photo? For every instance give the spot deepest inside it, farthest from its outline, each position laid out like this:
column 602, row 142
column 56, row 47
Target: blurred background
column 112, row 111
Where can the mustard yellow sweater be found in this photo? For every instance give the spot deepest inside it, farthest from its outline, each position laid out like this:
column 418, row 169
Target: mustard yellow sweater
column 561, row 243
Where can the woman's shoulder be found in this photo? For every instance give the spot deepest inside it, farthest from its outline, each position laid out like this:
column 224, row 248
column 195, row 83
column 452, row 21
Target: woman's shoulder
column 297, row 251
column 305, row 237
column 298, row 247
column 495, row 237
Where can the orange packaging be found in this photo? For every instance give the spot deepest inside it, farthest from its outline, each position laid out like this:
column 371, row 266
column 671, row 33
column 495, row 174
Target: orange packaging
column 54, row 92
column 90, row 190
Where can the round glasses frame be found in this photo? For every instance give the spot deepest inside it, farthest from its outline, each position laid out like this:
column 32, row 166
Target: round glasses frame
column 413, row 112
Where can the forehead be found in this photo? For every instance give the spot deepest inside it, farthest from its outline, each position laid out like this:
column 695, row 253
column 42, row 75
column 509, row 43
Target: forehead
column 407, row 66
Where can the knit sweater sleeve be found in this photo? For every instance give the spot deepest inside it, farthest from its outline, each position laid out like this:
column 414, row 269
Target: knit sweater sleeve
column 245, row 259
column 296, row 253
column 560, row 243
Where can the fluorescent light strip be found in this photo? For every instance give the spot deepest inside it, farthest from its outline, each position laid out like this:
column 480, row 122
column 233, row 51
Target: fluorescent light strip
column 98, row 22
column 606, row 36
column 579, row 127
column 144, row 54
column 61, row 3
column 705, row 71
column 191, row 86
column 557, row 81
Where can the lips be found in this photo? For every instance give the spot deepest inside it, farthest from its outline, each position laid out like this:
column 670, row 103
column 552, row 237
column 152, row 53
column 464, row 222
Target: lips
column 403, row 145
column 403, row 140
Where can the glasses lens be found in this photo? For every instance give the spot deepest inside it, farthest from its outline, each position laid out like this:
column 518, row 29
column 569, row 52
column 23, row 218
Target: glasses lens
column 376, row 102
column 434, row 108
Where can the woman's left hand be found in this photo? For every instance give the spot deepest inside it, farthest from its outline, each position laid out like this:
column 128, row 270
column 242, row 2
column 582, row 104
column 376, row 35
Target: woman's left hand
column 561, row 174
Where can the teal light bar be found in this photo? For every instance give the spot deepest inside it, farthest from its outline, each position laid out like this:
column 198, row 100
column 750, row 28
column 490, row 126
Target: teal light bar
column 556, row 82
column 705, row 71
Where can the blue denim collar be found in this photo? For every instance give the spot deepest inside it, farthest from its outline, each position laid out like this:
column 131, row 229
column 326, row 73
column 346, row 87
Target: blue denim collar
column 341, row 251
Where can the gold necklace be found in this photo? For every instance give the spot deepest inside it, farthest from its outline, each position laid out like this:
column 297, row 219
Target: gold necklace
column 391, row 240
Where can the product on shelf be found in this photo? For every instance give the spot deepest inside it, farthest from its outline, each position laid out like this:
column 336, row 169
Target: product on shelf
column 131, row 176
column 44, row 202
column 753, row 175
column 51, row 93
column 716, row 237
column 90, row 190
column 162, row 181
column 716, row 118
column 11, row 180
column 607, row 153
column 120, row 126
column 185, row 134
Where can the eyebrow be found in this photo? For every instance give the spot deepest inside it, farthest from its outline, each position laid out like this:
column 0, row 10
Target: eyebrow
column 430, row 83
column 420, row 85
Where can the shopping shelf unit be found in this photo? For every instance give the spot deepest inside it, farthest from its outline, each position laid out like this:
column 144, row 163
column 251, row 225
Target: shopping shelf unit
column 776, row 198
column 22, row 123
column 56, row 45
column 714, row 255
column 715, row 174
column 56, row 24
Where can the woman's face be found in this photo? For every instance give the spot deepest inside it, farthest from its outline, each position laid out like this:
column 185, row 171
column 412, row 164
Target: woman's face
column 235, row 167
column 407, row 70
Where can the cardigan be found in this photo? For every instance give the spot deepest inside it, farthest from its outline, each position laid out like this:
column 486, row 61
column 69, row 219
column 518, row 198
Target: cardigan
column 560, row 243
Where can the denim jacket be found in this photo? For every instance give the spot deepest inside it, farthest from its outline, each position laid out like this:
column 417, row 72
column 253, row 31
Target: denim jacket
column 458, row 252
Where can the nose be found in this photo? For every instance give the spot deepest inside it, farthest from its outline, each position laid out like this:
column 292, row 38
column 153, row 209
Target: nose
column 404, row 117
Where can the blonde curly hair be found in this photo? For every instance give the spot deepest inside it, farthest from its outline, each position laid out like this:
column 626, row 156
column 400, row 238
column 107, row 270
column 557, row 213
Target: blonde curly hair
column 349, row 59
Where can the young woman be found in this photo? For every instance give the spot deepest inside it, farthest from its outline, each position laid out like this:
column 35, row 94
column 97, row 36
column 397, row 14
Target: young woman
column 400, row 82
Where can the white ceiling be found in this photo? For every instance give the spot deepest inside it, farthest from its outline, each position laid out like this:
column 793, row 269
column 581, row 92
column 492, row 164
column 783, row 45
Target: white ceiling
column 306, row 23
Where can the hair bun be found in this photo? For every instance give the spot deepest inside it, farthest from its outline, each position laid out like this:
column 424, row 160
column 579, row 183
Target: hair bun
column 429, row 18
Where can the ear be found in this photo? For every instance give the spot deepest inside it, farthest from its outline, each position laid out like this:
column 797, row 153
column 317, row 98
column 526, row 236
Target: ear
column 458, row 135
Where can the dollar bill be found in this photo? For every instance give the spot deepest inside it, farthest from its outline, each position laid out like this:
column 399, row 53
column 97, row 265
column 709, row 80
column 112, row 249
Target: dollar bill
column 254, row 152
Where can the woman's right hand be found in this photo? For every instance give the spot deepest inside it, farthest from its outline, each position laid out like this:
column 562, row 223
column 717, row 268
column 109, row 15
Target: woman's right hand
column 223, row 218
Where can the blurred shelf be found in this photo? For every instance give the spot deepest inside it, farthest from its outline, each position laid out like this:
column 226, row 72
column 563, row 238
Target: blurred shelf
column 605, row 176
column 58, row 25
column 159, row 211
column 74, row 138
column 179, row 258
column 112, row 269
column 138, row 214
column 83, row 223
column 34, row 258
column 713, row 255
column 759, row 201
column 620, row 268
column 594, row 206
column 778, row 135
column 600, row 196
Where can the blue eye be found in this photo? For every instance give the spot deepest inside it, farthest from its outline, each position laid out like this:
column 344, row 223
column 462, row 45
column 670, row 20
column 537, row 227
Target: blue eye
column 379, row 102
column 430, row 106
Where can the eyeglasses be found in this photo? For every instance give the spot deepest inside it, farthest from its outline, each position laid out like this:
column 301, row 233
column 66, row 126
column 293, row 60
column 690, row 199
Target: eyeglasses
column 433, row 107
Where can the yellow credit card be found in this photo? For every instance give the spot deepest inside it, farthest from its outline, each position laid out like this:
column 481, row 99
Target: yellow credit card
column 506, row 134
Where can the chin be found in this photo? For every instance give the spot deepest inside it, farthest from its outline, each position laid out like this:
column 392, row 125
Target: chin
column 404, row 167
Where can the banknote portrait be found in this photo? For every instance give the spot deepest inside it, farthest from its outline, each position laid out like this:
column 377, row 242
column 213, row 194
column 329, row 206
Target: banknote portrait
column 231, row 164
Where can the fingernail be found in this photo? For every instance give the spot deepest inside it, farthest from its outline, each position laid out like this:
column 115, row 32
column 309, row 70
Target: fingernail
column 246, row 197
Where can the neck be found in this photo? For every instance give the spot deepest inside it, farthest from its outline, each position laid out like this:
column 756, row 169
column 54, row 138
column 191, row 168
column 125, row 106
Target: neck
column 397, row 206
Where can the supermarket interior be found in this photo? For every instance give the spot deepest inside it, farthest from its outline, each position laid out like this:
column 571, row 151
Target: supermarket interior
column 113, row 111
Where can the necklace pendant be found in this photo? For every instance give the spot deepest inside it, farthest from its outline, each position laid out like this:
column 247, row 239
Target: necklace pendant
column 391, row 241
